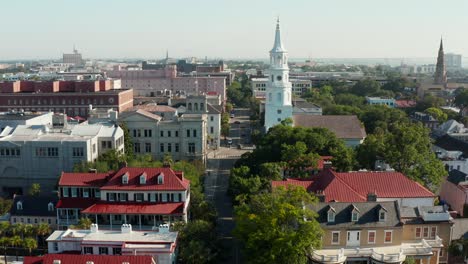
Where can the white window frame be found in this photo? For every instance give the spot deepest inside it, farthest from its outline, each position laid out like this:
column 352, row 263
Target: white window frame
column 384, row 215
column 375, row 236
column 74, row 192
column 65, row 191
column 354, row 213
column 385, row 236
column 416, row 232
column 332, row 214
column 85, row 192
column 430, row 232
column 332, row 233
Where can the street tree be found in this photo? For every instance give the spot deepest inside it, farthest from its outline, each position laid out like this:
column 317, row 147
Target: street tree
column 198, row 243
column 35, row 189
column 30, row 243
column 437, row 113
column 461, row 100
column 276, row 227
column 365, row 87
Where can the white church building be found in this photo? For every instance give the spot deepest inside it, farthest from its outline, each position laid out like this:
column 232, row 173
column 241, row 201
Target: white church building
column 278, row 104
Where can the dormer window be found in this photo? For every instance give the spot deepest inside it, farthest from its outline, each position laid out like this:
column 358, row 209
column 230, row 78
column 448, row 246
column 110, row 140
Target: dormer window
column 331, row 215
column 382, row 214
column 354, row 216
column 143, row 178
column 50, row 206
column 125, row 179
column 161, row 178
column 19, row 205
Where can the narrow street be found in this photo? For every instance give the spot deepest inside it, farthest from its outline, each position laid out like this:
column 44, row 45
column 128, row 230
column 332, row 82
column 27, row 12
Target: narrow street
column 217, row 181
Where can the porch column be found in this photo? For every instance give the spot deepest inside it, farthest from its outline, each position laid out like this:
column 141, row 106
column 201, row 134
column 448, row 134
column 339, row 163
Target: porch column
column 76, row 215
column 110, row 219
column 154, row 220
column 95, row 215
column 66, row 212
column 139, row 220
column 125, row 219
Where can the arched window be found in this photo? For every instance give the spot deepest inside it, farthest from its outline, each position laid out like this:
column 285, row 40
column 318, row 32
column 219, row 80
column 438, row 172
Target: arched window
column 190, row 106
column 50, row 206
column 125, row 179
column 195, row 106
column 202, row 107
column 161, row 179
column 278, row 97
column 19, row 205
column 143, row 178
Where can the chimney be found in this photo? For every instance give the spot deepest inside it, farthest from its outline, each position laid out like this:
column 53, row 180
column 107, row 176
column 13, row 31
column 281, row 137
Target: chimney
column 126, row 229
column 164, row 228
column 321, row 196
column 94, row 228
column 327, row 164
column 372, row 196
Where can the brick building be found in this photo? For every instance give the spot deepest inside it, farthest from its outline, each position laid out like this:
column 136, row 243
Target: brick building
column 71, row 97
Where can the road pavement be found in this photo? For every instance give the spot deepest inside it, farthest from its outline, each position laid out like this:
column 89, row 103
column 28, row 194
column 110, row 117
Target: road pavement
column 216, row 183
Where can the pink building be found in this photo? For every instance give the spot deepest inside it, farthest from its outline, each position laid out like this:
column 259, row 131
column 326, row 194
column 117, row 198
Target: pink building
column 149, row 82
column 455, row 191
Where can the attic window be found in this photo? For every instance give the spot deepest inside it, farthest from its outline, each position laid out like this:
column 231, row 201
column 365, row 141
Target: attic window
column 354, row 216
column 331, row 215
column 382, row 214
column 19, row 206
column 143, row 178
column 50, row 206
column 161, row 178
column 125, row 179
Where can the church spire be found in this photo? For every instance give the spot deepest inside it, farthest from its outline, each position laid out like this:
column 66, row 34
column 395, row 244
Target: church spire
column 440, row 76
column 278, row 45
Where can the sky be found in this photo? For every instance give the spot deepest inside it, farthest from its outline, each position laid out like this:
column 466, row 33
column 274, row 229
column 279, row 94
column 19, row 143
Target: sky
column 234, row 29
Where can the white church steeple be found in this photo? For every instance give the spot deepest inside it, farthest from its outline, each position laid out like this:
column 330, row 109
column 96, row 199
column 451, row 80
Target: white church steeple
column 278, row 105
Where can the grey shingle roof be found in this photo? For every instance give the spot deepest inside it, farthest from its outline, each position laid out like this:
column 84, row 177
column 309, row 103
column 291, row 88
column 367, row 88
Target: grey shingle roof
column 456, row 176
column 368, row 214
column 344, row 126
column 34, row 205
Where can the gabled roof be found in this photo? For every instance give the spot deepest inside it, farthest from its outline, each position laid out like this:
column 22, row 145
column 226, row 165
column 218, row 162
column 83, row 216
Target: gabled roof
column 141, row 112
column 456, row 176
column 355, row 186
column 171, row 182
column 154, row 108
column 83, row 259
column 344, row 126
column 34, row 205
column 452, row 144
column 86, row 179
column 368, row 214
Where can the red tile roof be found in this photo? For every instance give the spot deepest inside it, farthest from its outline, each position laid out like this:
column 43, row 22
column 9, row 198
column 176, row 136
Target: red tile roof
column 405, row 103
column 354, row 186
column 79, row 203
column 135, row 208
column 82, row 259
column 90, row 179
column 170, row 183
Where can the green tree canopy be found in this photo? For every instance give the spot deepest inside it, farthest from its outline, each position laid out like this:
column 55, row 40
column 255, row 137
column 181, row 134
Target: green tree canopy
column 437, row 113
column 276, row 227
column 461, row 99
column 35, row 189
column 365, row 87
column 198, row 243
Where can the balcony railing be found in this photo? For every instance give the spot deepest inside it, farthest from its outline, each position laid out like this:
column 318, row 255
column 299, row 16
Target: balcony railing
column 385, row 254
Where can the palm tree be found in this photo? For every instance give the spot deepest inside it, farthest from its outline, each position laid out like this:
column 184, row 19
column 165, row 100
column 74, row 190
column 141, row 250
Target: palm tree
column 29, row 230
column 42, row 230
column 15, row 242
column 4, row 242
column 17, row 229
column 30, row 243
column 4, row 227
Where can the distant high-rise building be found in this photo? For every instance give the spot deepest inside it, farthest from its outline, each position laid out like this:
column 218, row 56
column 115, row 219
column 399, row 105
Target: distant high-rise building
column 278, row 104
column 440, row 76
column 73, row 58
column 453, row 61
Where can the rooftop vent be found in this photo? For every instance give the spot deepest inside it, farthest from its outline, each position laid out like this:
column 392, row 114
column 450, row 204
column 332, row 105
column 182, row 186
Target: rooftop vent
column 126, row 228
column 57, row 261
column 94, row 228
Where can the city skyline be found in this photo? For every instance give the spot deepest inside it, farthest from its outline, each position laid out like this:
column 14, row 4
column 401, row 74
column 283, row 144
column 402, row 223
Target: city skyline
column 240, row 30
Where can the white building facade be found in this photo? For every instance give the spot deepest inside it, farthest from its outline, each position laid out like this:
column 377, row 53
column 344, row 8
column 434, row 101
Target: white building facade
column 161, row 244
column 278, row 105
column 38, row 153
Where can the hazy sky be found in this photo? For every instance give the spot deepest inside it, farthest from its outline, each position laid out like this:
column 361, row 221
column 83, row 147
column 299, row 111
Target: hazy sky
column 231, row 29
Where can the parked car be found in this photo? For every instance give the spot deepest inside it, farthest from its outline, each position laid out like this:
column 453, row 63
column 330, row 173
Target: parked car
column 237, row 122
column 232, row 116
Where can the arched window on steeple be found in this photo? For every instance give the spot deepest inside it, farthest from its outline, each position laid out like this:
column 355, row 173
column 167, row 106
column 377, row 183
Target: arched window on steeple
column 279, row 97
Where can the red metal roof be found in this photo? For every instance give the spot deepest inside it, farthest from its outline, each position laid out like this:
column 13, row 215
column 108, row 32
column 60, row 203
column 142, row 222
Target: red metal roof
column 405, row 103
column 170, row 180
column 135, row 208
column 82, row 259
column 354, row 186
column 79, row 203
column 90, row 179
